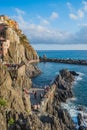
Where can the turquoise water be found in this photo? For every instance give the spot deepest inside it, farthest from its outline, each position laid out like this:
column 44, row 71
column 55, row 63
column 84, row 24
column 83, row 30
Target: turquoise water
column 65, row 54
column 50, row 70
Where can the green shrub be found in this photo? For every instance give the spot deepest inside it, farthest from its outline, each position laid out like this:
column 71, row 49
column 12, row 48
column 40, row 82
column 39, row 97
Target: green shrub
column 3, row 102
column 11, row 121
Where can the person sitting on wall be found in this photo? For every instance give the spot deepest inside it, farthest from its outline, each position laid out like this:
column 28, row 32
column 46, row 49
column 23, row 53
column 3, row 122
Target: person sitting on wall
column 46, row 89
column 35, row 95
column 41, row 95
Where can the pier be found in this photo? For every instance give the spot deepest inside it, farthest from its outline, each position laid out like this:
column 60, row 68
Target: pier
column 65, row 61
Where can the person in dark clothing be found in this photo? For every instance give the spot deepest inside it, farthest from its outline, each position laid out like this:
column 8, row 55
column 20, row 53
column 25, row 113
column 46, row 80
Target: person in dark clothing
column 41, row 95
column 35, row 95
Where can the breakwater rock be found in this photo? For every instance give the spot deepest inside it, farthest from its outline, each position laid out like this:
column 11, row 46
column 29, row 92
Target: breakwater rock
column 58, row 118
column 65, row 61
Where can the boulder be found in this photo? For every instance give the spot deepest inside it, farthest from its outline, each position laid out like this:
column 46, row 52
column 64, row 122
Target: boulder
column 82, row 128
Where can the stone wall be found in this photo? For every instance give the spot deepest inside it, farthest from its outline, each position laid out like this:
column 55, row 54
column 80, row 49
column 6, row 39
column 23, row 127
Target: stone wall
column 48, row 97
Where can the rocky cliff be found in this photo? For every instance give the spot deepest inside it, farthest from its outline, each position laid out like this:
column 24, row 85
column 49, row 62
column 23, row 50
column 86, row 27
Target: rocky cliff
column 15, row 73
column 54, row 118
column 15, row 106
column 19, row 49
column 13, row 100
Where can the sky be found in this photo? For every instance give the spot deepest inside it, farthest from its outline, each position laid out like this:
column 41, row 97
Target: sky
column 50, row 24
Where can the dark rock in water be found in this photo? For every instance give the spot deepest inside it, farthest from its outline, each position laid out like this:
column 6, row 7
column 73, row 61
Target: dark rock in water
column 44, row 56
column 64, row 83
column 79, row 117
column 74, row 73
column 82, row 128
column 65, row 74
column 80, row 108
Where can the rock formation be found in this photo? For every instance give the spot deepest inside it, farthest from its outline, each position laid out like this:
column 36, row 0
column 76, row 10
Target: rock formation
column 15, row 78
column 15, row 74
column 19, row 49
column 54, row 118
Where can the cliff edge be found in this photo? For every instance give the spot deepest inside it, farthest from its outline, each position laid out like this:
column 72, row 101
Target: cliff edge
column 16, row 70
column 15, row 47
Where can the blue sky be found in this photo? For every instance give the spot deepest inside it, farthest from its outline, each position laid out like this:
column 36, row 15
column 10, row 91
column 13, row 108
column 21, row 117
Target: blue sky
column 50, row 24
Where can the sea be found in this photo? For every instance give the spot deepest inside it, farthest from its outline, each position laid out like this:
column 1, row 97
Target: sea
column 77, row 104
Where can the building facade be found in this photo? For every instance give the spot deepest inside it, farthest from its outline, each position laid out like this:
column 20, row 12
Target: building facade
column 4, row 42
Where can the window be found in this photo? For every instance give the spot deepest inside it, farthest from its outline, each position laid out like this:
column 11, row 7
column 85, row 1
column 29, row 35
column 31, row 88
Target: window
column 3, row 34
column 1, row 43
column 1, row 49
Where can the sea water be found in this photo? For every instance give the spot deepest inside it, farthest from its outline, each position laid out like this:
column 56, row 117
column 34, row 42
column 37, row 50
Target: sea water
column 50, row 70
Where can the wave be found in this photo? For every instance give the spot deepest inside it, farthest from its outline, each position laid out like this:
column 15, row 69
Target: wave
column 74, row 110
column 71, row 108
column 81, row 74
column 78, row 78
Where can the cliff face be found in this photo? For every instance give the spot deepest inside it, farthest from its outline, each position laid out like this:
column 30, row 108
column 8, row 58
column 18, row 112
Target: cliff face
column 15, row 73
column 15, row 106
column 13, row 101
column 54, row 118
column 20, row 48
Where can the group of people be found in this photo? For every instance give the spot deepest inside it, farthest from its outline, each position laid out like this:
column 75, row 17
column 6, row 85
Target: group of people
column 36, row 94
column 40, row 95
column 46, row 89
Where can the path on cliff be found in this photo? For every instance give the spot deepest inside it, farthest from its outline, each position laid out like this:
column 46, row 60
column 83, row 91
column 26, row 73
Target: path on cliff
column 32, row 61
column 40, row 100
column 35, row 100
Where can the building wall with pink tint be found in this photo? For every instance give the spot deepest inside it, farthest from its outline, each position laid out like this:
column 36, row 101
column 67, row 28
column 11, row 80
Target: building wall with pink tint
column 6, row 45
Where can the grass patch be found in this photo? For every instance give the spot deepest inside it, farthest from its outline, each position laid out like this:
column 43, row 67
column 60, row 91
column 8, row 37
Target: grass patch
column 3, row 102
column 11, row 121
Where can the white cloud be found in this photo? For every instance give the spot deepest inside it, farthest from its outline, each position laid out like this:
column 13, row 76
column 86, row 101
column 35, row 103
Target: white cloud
column 82, row 25
column 85, row 5
column 80, row 13
column 43, row 21
column 19, row 11
column 73, row 16
column 54, row 15
column 76, row 14
column 39, row 34
column 19, row 16
column 69, row 6
column 59, row 47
